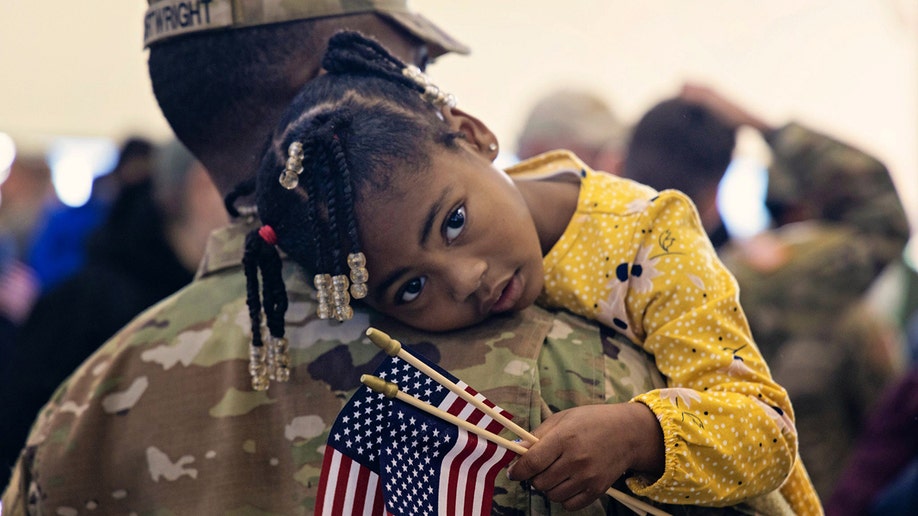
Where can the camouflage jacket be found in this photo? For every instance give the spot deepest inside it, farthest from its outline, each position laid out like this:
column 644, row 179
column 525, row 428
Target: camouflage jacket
column 802, row 284
column 162, row 419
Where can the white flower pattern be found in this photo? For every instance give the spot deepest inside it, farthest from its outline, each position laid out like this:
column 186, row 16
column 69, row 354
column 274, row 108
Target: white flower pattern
column 779, row 416
column 637, row 205
column 644, row 270
column 737, row 367
column 676, row 394
column 636, row 265
column 698, row 282
column 613, row 313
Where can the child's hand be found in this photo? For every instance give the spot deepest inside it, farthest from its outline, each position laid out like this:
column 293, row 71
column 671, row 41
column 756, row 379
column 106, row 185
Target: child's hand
column 582, row 451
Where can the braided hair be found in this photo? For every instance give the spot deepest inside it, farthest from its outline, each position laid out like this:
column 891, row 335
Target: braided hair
column 342, row 138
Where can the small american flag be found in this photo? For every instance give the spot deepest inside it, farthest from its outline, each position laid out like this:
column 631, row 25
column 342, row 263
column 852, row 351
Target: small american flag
column 384, row 456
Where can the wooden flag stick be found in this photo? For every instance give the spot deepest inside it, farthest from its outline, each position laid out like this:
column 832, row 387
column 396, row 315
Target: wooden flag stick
column 391, row 390
column 393, row 348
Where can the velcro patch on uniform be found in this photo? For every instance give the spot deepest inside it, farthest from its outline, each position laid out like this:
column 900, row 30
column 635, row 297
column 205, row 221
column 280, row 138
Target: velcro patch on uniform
column 167, row 18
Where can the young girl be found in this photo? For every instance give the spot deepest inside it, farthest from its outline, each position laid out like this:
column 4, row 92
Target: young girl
column 383, row 191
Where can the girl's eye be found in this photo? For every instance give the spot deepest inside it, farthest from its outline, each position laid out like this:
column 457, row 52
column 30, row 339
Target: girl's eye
column 410, row 291
column 454, row 225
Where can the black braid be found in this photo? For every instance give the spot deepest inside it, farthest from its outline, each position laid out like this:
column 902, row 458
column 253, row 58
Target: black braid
column 263, row 257
column 331, row 206
column 244, row 188
column 349, row 43
column 274, row 293
column 253, row 242
column 345, row 191
column 382, row 127
column 352, row 53
column 317, row 191
column 313, row 220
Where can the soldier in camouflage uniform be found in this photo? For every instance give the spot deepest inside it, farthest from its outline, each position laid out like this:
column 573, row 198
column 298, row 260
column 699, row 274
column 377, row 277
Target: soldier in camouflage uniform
column 802, row 284
column 162, row 419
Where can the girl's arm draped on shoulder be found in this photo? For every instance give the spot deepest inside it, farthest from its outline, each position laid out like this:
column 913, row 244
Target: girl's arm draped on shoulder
column 725, row 425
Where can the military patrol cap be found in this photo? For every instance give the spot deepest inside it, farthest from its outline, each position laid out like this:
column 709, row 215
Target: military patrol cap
column 166, row 19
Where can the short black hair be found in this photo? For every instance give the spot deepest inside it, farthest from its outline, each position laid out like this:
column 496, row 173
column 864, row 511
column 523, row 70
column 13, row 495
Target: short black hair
column 680, row 145
column 225, row 77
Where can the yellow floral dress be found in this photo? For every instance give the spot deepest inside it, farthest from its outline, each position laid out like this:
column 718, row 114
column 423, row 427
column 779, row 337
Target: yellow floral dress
column 639, row 261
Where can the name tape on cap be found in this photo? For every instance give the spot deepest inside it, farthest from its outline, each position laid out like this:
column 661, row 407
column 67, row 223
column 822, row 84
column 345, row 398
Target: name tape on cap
column 168, row 18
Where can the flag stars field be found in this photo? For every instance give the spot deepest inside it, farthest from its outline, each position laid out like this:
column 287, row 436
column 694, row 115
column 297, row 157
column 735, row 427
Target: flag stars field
column 387, row 456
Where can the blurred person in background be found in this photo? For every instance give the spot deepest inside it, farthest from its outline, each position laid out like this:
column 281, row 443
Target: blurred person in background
column 25, row 190
column 911, row 338
column 148, row 247
column 18, row 292
column 24, row 193
column 680, row 145
column 579, row 121
column 60, row 247
column 881, row 476
column 838, row 224
column 172, row 391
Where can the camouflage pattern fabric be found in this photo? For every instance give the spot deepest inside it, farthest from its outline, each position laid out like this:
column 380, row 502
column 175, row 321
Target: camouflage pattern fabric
column 802, row 284
column 162, row 419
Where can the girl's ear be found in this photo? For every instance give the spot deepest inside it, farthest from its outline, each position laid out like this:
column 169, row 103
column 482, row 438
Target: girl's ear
column 476, row 132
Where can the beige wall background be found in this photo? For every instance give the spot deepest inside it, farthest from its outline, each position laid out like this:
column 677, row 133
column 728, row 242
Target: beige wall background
column 848, row 67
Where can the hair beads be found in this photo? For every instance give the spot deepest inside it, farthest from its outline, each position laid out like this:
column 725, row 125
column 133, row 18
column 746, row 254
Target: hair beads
column 278, row 359
column 323, row 295
column 257, row 367
column 341, row 298
column 359, row 275
column 336, row 289
column 344, row 133
column 291, row 176
column 269, row 361
column 431, row 92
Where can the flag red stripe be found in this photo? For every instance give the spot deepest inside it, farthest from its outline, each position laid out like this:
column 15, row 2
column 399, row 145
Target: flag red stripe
column 471, row 474
column 379, row 502
column 466, row 471
column 341, row 484
column 360, row 490
column 448, row 476
column 493, row 426
column 323, row 479
column 487, row 486
column 457, row 476
column 463, row 471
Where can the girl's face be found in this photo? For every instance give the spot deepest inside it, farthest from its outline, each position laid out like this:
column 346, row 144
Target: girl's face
column 447, row 248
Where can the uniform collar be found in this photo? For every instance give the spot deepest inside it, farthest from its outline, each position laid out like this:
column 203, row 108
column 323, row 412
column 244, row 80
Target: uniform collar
column 225, row 246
